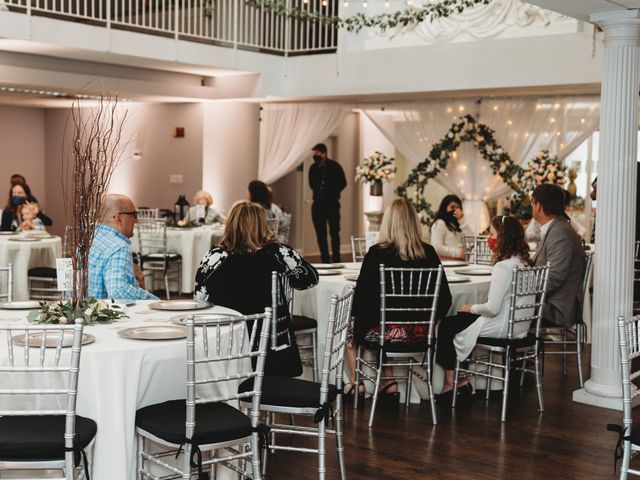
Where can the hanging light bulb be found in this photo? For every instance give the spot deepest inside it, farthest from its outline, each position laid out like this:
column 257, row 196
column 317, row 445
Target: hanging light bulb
column 324, row 3
column 365, row 4
column 408, row 3
column 345, row 4
column 386, row 3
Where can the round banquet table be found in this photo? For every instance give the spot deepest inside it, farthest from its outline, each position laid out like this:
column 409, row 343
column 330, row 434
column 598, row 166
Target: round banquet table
column 191, row 244
column 120, row 375
column 25, row 254
column 315, row 303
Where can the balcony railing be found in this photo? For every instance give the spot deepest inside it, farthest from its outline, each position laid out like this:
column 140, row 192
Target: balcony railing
column 229, row 23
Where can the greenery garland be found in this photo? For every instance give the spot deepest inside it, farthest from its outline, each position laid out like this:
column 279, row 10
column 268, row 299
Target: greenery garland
column 464, row 129
column 383, row 21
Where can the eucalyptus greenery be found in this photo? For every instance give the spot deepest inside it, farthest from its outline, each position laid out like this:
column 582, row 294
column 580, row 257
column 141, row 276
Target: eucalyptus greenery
column 92, row 311
column 382, row 21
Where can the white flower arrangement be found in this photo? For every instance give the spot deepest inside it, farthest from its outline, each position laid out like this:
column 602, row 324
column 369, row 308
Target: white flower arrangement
column 543, row 168
column 375, row 168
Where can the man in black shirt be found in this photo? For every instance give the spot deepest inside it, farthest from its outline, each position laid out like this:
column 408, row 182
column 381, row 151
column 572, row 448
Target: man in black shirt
column 327, row 180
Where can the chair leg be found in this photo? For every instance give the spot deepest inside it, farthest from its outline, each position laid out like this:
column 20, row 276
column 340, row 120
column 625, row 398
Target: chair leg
column 524, row 366
column 564, row 352
column 166, row 285
column 314, row 362
column 140, row 460
column 376, row 388
column 407, row 396
column 455, row 383
column 186, row 462
column 487, row 382
column 432, row 400
column 505, row 393
column 255, row 456
column 322, row 469
column 626, row 458
column 579, row 331
column 357, row 378
column 339, row 439
column 539, row 382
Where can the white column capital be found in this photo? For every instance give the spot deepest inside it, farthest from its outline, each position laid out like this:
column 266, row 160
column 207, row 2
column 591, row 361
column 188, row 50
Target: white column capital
column 621, row 28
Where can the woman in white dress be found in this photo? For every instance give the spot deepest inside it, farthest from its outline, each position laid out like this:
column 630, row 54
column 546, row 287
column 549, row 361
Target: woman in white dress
column 457, row 336
column 447, row 230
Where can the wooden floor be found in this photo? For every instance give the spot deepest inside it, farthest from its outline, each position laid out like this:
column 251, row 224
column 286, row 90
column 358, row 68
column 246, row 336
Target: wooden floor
column 568, row 441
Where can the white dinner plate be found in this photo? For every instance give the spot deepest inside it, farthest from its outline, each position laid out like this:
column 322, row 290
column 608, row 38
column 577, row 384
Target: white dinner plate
column 328, row 272
column 177, row 305
column 451, row 278
column 22, row 305
column 182, row 319
column 52, row 340
column 474, row 270
column 328, row 266
column 154, row 332
column 352, row 277
column 24, row 239
column 454, row 263
column 37, row 234
column 7, row 233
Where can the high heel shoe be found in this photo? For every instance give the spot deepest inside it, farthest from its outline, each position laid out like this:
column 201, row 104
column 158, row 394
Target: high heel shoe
column 386, row 398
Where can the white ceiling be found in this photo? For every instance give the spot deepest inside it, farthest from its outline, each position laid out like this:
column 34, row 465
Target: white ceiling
column 582, row 9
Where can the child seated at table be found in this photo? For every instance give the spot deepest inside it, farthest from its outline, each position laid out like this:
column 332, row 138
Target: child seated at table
column 28, row 219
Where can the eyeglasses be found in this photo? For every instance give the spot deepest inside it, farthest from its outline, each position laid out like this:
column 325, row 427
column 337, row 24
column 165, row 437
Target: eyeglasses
column 134, row 213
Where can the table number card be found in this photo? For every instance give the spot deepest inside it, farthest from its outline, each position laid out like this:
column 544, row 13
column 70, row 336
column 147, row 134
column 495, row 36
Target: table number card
column 200, row 212
column 64, row 268
column 370, row 239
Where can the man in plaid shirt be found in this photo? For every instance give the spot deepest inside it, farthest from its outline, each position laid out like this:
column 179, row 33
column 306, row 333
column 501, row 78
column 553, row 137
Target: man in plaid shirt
column 112, row 273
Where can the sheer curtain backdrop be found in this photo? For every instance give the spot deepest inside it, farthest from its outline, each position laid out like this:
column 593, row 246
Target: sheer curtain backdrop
column 523, row 126
column 289, row 131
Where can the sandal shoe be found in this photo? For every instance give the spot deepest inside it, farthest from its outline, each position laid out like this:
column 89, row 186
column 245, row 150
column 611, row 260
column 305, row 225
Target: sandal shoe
column 389, row 398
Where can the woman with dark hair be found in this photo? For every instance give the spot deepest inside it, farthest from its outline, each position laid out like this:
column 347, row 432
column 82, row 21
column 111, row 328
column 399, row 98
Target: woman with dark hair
column 457, row 336
column 20, row 194
column 261, row 193
column 448, row 228
column 237, row 274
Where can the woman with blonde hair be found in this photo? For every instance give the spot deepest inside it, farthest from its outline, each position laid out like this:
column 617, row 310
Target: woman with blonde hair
column 237, row 274
column 399, row 245
column 210, row 214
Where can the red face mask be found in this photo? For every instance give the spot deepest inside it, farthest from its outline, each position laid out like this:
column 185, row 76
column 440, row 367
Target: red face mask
column 492, row 241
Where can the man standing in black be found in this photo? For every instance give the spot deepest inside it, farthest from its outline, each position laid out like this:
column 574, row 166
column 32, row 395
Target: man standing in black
column 327, row 180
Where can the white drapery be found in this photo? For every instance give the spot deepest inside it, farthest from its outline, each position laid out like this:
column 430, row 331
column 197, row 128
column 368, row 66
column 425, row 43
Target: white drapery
column 523, row 126
column 289, row 131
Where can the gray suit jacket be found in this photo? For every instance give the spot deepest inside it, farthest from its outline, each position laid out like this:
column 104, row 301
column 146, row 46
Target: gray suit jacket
column 562, row 248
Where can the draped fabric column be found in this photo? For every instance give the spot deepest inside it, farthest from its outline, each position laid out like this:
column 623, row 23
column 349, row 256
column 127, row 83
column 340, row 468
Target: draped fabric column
column 289, row 131
column 523, row 126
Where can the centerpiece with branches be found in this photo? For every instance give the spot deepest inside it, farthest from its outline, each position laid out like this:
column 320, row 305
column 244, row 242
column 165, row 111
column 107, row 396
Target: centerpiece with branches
column 375, row 169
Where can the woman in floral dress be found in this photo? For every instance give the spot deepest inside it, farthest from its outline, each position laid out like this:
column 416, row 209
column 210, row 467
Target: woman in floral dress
column 237, row 274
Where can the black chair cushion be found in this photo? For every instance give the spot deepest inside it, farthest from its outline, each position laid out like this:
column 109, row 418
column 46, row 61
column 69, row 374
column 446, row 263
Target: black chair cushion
column 303, row 323
column 41, row 437
column 635, row 435
column 43, row 272
column 397, row 347
column 215, row 422
column 289, row 392
column 527, row 341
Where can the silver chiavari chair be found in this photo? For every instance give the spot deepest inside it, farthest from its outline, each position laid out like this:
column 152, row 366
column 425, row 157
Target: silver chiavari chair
column 358, row 248
column 409, row 298
column 39, row 428
column 574, row 336
column 153, row 255
column 207, row 420
column 6, row 280
column 629, row 435
column 43, row 281
column 468, row 245
column 528, row 290
column 483, row 255
column 148, row 213
column 282, row 305
column 321, row 401
column 636, row 278
column 284, row 229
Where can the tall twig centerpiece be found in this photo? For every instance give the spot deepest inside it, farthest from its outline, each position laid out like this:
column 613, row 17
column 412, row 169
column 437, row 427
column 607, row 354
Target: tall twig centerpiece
column 92, row 149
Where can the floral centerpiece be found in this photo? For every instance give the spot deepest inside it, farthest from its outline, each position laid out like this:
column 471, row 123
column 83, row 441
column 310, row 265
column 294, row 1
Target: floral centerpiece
column 91, row 310
column 374, row 170
column 183, row 224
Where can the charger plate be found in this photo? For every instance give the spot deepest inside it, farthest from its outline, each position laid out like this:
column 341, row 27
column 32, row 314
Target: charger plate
column 457, row 278
column 328, row 266
column 328, row 272
column 35, row 339
column 177, row 305
column 474, row 270
column 20, row 305
column 454, row 263
column 154, row 332
column 24, row 239
column 182, row 319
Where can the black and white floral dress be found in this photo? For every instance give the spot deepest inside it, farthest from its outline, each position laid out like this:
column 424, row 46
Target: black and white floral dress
column 243, row 282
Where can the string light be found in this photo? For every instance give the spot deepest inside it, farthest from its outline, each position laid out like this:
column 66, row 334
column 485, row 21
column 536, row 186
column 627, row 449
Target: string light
column 386, row 3
column 365, row 4
column 324, row 3
column 449, row 110
column 408, row 3
column 553, row 120
column 495, row 108
column 582, row 120
column 461, row 108
column 345, row 4
column 509, row 122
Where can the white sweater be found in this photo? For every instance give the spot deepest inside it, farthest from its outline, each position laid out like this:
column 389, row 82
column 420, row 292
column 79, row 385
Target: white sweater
column 494, row 314
column 446, row 242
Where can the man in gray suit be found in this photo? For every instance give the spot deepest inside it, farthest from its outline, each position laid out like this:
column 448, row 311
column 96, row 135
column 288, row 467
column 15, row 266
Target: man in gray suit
column 561, row 246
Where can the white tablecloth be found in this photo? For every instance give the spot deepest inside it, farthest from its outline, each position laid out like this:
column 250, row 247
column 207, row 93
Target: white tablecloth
column 118, row 376
column 315, row 303
column 25, row 255
column 191, row 244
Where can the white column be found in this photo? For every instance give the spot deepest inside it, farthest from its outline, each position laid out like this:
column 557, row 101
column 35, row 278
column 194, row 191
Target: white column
column 616, row 209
